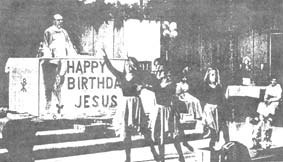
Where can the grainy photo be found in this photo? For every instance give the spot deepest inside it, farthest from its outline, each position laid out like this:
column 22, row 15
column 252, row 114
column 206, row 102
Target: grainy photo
column 141, row 80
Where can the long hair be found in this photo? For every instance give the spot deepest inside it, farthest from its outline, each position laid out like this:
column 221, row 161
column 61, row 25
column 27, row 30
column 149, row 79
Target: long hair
column 208, row 71
column 133, row 63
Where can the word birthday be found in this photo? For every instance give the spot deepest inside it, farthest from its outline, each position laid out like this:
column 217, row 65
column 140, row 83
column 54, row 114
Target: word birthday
column 88, row 80
column 92, row 83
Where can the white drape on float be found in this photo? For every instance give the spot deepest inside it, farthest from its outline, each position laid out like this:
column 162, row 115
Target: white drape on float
column 142, row 39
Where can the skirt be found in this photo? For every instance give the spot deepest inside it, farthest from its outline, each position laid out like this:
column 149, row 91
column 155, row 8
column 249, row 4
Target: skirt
column 210, row 116
column 130, row 117
column 171, row 120
column 192, row 105
column 266, row 109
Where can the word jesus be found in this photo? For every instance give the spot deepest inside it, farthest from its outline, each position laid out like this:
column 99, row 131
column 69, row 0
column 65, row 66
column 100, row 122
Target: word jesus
column 88, row 101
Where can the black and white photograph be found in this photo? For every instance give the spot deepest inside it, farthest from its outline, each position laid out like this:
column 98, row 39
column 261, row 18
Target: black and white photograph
column 141, row 80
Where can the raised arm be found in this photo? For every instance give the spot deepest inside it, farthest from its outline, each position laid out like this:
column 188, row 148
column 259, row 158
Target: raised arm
column 113, row 70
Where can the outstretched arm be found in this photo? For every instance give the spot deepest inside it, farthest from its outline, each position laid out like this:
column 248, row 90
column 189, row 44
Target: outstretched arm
column 112, row 69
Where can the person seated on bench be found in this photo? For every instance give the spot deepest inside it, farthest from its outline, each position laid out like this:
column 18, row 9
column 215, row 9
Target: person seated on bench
column 266, row 110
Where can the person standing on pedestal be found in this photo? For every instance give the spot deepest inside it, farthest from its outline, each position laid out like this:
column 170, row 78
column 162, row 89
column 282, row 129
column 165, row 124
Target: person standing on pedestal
column 57, row 40
column 56, row 44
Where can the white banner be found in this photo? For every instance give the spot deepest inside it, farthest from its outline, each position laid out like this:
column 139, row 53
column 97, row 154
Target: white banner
column 88, row 89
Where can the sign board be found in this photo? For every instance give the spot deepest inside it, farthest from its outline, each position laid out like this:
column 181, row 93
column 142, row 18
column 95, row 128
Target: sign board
column 88, row 89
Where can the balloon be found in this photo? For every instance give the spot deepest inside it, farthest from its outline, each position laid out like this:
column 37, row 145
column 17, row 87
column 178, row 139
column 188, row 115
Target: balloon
column 166, row 32
column 174, row 33
column 166, row 24
column 173, row 26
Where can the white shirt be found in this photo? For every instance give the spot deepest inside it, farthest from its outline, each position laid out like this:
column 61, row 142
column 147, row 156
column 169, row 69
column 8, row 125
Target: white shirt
column 58, row 42
column 273, row 92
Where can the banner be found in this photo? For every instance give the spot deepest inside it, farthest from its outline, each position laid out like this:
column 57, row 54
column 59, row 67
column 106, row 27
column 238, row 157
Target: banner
column 88, row 88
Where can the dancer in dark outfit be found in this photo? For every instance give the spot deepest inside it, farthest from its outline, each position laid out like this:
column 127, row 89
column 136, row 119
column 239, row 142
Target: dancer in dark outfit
column 213, row 112
column 130, row 116
column 165, row 92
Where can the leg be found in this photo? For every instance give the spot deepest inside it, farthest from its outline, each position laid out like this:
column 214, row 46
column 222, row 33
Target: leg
column 128, row 145
column 223, row 125
column 178, row 148
column 214, row 137
column 267, row 132
column 161, row 151
column 147, row 136
column 184, row 141
column 225, row 130
column 127, row 137
column 256, row 135
column 189, row 147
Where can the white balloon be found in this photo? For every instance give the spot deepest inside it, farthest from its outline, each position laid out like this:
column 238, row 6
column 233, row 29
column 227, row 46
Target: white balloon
column 173, row 26
column 166, row 23
column 166, row 32
column 164, row 26
column 174, row 33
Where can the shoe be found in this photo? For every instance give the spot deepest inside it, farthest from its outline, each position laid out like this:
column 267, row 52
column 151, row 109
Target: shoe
column 157, row 158
column 189, row 147
column 255, row 147
column 206, row 132
column 266, row 144
column 181, row 159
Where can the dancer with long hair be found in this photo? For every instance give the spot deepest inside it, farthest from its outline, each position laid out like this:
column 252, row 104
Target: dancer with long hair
column 213, row 112
column 130, row 116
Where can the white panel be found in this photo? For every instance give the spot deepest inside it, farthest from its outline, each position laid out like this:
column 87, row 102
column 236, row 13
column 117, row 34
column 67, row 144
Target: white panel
column 142, row 39
column 23, row 85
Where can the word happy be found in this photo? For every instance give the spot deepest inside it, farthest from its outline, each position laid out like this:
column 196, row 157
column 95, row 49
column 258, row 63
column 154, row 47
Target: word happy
column 85, row 66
